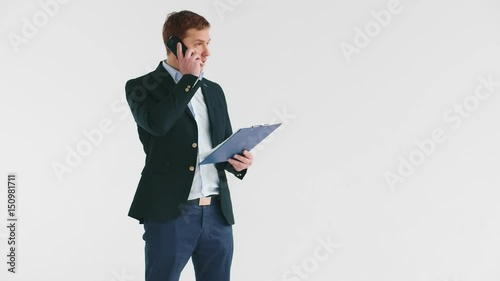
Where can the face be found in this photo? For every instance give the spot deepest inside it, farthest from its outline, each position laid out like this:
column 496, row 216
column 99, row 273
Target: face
column 197, row 40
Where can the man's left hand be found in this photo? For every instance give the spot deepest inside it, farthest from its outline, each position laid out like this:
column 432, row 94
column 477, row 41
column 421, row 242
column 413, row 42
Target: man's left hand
column 241, row 162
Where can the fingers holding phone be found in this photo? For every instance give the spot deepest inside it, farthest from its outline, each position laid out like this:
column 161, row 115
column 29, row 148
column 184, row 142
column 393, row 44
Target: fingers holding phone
column 187, row 59
column 190, row 62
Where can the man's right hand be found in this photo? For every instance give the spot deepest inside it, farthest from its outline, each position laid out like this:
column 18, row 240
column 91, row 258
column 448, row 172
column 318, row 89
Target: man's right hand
column 189, row 63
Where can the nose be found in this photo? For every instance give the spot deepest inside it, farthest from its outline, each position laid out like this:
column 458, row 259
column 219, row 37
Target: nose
column 206, row 51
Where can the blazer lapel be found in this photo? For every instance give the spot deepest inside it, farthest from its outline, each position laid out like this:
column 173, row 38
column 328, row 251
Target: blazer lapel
column 209, row 97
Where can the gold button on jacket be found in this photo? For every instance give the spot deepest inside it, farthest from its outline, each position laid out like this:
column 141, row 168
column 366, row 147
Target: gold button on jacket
column 166, row 131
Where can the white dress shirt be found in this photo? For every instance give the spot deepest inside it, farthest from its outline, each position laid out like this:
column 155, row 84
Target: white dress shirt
column 206, row 177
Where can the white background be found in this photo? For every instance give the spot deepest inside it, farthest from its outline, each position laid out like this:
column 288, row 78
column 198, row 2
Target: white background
column 351, row 119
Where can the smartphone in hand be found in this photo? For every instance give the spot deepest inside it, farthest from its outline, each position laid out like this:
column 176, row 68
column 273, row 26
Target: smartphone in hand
column 172, row 45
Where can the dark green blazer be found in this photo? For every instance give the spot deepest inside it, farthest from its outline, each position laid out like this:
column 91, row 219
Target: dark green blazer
column 169, row 135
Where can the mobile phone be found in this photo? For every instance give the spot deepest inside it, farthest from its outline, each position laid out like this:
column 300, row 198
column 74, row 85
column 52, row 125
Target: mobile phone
column 172, row 45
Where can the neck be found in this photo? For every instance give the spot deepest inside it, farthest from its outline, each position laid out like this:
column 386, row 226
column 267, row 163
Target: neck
column 172, row 61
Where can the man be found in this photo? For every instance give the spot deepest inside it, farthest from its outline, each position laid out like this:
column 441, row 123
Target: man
column 185, row 207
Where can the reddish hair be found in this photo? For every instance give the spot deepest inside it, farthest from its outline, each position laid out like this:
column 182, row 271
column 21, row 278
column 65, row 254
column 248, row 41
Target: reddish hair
column 178, row 23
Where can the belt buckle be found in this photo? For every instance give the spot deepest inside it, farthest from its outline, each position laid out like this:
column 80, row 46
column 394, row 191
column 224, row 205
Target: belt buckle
column 205, row 201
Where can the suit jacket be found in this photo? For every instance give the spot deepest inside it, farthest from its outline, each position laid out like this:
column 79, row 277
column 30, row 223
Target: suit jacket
column 169, row 135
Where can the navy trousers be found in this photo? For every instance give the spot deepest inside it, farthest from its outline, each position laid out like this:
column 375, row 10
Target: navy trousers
column 201, row 232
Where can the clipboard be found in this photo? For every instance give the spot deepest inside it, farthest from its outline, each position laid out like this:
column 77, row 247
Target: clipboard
column 243, row 139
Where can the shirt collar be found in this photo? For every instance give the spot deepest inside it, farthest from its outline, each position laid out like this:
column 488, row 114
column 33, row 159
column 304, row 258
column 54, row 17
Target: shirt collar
column 176, row 74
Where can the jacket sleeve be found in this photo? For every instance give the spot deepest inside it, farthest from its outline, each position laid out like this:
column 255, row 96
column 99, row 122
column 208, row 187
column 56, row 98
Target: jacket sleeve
column 228, row 132
column 158, row 117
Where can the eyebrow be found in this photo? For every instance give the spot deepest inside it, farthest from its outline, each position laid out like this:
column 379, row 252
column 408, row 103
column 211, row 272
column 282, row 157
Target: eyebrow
column 199, row 40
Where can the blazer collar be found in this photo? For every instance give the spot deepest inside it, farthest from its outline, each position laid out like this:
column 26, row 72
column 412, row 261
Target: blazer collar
column 161, row 74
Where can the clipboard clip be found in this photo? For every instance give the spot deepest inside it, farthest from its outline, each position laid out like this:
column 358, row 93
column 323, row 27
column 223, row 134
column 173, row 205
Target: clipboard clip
column 261, row 125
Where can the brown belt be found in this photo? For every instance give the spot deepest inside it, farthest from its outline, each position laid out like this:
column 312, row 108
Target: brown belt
column 204, row 201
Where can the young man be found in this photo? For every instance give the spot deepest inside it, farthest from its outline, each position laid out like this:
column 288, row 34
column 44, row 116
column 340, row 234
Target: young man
column 185, row 207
